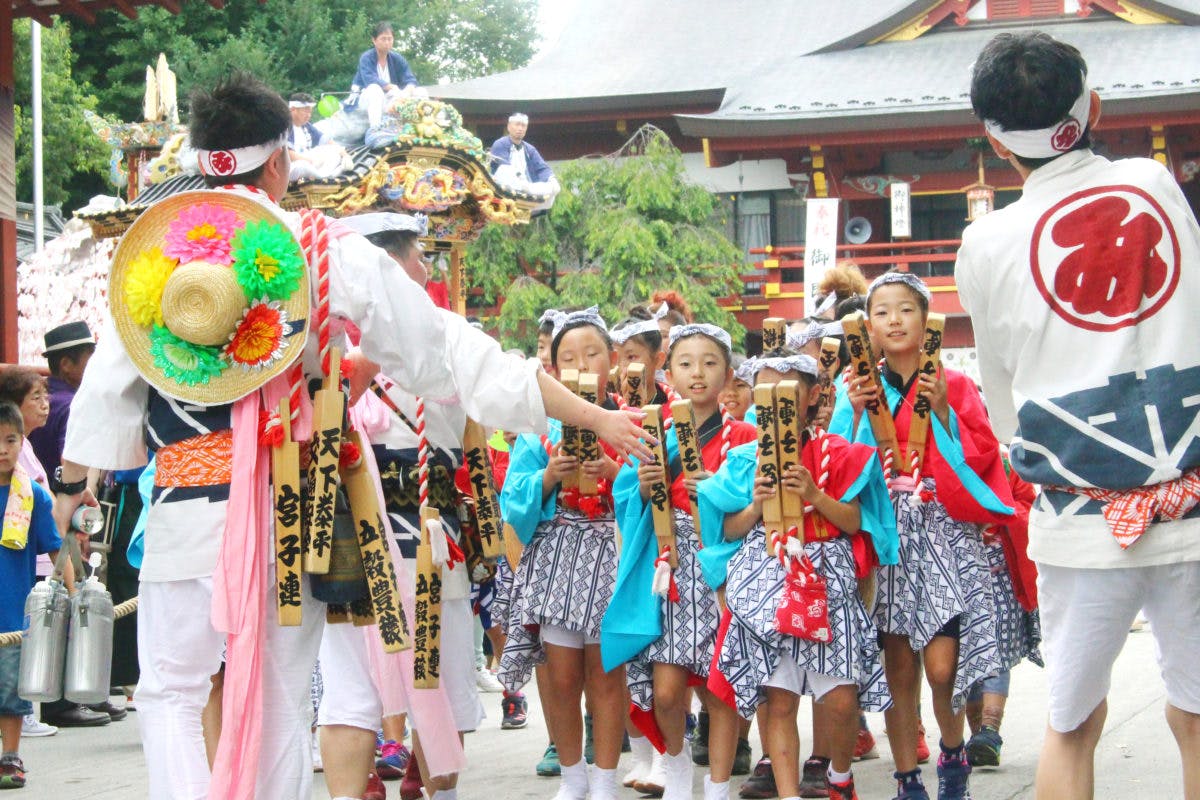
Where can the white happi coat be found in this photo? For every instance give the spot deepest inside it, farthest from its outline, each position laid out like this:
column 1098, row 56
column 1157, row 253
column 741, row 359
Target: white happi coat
column 1083, row 295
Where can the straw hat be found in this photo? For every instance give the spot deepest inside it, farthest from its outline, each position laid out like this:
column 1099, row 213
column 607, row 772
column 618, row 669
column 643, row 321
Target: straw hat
column 209, row 292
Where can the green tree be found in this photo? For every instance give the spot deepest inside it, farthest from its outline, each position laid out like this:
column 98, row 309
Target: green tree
column 299, row 45
column 73, row 159
column 623, row 226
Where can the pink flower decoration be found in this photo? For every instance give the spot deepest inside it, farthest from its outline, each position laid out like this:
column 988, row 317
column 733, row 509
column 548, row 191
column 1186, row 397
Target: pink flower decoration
column 202, row 233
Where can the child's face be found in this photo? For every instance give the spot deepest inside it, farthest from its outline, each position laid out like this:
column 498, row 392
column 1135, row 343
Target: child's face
column 698, row 370
column 35, row 409
column 736, row 398
column 10, row 447
column 543, row 351
column 584, row 349
column 895, row 320
column 810, row 390
column 634, row 351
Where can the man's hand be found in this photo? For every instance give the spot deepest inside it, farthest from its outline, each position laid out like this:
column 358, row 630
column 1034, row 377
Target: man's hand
column 622, row 431
column 65, row 505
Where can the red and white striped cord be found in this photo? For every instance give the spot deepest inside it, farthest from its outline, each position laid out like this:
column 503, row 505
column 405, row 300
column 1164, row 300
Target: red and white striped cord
column 822, row 465
column 888, row 459
column 726, row 432
column 915, row 465
column 422, row 455
column 314, row 238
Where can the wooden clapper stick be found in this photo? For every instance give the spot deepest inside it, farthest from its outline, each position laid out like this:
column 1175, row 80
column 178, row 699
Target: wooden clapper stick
column 483, row 489
column 830, row 347
column 918, row 429
column 689, row 450
column 863, row 364
column 768, row 459
column 569, row 446
column 635, row 375
column 788, row 413
column 329, row 408
column 774, row 334
column 373, row 548
column 660, row 497
column 285, row 478
column 589, row 442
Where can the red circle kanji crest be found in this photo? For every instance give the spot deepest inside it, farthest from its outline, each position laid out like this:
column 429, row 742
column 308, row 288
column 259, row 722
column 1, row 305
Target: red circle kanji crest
column 1066, row 135
column 222, row 162
column 1105, row 258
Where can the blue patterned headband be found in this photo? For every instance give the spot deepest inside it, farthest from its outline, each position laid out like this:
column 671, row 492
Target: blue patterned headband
column 590, row 316
column 750, row 368
column 627, row 332
column 815, row 330
column 711, row 331
column 907, row 278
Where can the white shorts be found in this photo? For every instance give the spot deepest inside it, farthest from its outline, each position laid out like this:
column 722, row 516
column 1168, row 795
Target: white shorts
column 1086, row 614
column 565, row 637
column 351, row 697
column 791, row 678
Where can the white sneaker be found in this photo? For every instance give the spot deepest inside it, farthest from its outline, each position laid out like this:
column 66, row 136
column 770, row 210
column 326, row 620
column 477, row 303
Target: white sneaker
column 32, row 727
column 486, row 681
column 642, row 756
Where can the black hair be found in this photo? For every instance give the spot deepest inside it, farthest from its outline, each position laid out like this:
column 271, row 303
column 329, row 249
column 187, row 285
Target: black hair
column 546, row 328
column 54, row 360
column 10, row 416
column 725, row 351
column 1028, row 81
column 301, row 97
column 381, row 27
column 652, row 339
column 240, row 111
column 570, row 326
column 398, row 244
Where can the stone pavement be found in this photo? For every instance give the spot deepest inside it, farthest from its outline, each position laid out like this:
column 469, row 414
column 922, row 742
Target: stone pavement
column 1136, row 758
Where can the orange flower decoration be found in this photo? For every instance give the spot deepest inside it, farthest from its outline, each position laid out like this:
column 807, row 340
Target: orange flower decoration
column 258, row 339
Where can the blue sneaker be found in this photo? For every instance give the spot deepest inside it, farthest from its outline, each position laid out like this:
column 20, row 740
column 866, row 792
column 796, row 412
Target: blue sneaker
column 549, row 767
column 952, row 777
column 984, row 748
column 393, row 761
column 910, row 790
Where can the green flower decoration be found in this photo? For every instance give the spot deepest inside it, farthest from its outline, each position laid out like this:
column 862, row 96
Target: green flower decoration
column 184, row 362
column 267, row 260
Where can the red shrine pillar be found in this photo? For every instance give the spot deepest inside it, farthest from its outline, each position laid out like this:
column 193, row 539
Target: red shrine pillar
column 8, row 192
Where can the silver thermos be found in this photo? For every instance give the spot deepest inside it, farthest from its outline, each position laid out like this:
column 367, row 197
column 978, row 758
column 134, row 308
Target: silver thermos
column 90, row 643
column 44, row 643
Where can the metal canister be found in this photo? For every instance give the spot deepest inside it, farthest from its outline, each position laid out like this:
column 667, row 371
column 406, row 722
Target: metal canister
column 89, row 645
column 44, row 643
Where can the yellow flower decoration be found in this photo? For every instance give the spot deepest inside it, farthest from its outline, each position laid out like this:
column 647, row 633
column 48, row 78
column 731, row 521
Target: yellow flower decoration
column 144, row 286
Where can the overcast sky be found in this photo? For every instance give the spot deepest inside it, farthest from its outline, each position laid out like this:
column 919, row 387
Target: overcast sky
column 552, row 16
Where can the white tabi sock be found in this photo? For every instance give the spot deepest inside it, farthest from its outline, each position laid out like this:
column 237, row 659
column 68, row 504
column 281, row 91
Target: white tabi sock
column 574, row 779
column 715, row 791
column 602, row 784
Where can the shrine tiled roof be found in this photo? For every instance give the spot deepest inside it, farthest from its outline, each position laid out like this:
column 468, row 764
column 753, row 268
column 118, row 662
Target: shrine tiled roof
column 925, row 82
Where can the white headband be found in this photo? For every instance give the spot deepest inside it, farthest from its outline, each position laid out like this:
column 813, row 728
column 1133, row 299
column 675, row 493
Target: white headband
column 907, row 278
column 815, row 330
column 750, row 368
column 548, row 316
column 379, row 221
column 518, row 117
column 626, row 332
column 590, row 316
column 699, row 328
column 301, row 104
column 1047, row 142
column 237, row 160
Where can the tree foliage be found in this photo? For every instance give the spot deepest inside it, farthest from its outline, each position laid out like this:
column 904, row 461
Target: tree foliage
column 299, row 45
column 623, row 227
column 72, row 156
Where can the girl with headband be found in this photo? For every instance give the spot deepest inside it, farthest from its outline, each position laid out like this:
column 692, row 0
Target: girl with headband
column 566, row 575
column 668, row 642
column 843, row 490
column 935, row 605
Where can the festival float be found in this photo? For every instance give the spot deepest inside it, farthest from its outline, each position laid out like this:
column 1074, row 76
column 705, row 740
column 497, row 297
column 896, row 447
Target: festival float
column 420, row 160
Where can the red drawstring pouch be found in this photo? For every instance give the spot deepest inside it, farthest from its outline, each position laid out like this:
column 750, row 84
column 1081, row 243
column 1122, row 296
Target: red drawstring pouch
column 804, row 605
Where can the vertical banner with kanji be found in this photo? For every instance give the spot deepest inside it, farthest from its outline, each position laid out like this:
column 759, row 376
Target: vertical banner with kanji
column 901, row 210
column 820, row 246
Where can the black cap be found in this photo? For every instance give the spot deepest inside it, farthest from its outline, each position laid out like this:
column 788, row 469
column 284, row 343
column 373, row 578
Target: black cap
column 64, row 337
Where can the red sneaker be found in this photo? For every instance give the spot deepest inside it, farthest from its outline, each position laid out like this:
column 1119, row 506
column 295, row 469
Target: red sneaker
column 375, row 788
column 922, row 745
column 864, row 746
column 410, row 787
column 842, row 791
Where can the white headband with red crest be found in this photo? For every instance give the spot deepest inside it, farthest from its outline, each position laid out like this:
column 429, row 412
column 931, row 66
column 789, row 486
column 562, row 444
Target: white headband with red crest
column 1047, row 142
column 237, row 160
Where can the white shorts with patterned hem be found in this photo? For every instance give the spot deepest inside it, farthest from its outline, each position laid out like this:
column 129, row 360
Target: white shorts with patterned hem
column 1086, row 614
column 791, row 677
